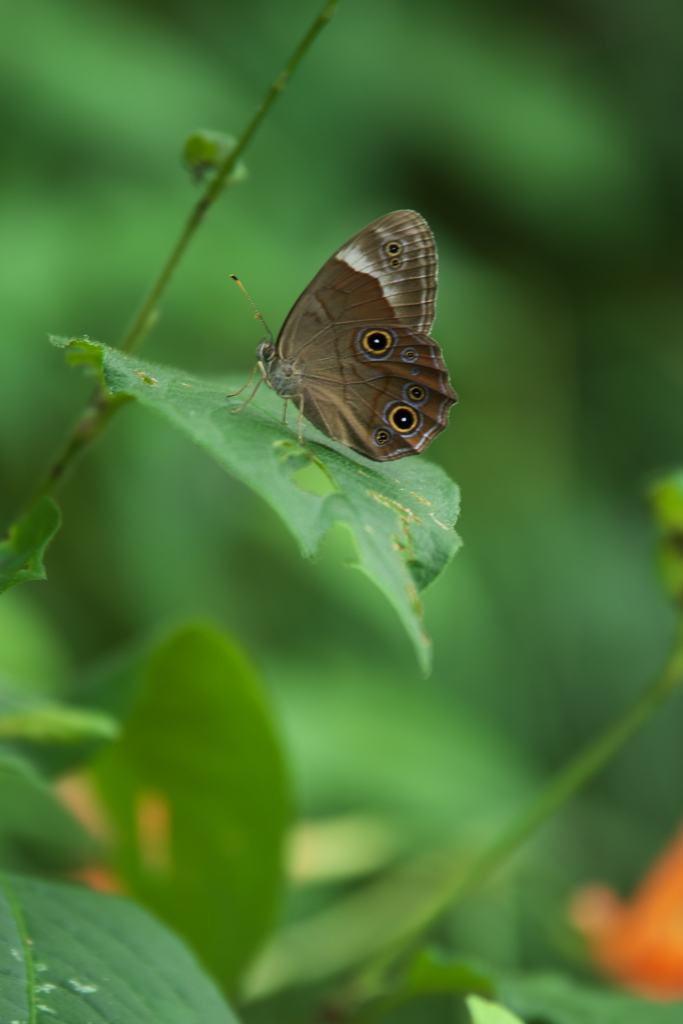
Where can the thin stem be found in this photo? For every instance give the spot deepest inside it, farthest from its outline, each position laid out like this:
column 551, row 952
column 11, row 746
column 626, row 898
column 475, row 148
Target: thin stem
column 145, row 317
column 89, row 425
column 101, row 407
column 566, row 784
column 572, row 778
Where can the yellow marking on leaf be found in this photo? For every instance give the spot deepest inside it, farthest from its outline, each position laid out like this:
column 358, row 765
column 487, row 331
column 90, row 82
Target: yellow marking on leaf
column 400, row 510
column 145, row 378
column 423, row 500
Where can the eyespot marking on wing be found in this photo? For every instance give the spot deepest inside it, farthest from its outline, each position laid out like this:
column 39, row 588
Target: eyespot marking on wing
column 403, row 418
column 376, row 342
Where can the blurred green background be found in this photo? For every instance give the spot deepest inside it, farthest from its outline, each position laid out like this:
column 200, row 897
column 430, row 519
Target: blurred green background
column 543, row 144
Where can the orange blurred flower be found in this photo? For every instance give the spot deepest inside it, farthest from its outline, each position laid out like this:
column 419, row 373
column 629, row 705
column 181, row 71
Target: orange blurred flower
column 78, row 795
column 639, row 943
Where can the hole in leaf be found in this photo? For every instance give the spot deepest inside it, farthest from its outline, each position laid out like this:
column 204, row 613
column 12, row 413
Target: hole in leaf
column 314, row 479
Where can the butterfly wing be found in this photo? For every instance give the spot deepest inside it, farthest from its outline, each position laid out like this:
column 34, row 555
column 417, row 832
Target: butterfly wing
column 363, row 368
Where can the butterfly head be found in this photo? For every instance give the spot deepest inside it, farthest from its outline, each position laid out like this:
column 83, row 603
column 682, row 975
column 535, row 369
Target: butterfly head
column 279, row 373
column 265, row 353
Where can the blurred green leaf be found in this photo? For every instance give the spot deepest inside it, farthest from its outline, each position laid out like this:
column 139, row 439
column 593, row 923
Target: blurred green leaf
column 532, row 997
column 554, row 999
column 36, row 832
column 430, row 973
column 33, row 650
column 401, row 515
column 55, row 723
column 205, row 150
column 72, row 956
column 485, row 1012
column 21, row 555
column 90, row 715
column 198, row 789
column 441, row 778
column 667, row 504
column 383, row 914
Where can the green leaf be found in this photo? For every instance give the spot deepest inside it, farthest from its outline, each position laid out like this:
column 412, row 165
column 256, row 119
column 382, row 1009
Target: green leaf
column 549, row 998
column 667, row 505
column 36, row 832
column 53, row 737
column 21, row 555
column 71, row 956
column 555, row 999
column 381, row 915
column 57, row 723
column 33, row 653
column 401, row 514
column 429, row 973
column 198, row 790
column 485, row 1012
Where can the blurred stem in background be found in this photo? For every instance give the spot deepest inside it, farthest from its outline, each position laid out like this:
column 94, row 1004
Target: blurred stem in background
column 569, row 781
column 101, row 407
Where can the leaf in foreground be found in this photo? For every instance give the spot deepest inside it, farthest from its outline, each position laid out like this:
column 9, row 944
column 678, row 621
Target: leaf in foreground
column 199, row 794
column 71, row 956
column 401, row 514
column 21, row 554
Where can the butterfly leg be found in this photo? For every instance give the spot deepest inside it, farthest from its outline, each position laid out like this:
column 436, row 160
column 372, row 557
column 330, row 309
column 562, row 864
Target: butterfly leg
column 284, row 412
column 251, row 396
column 233, row 394
column 299, row 420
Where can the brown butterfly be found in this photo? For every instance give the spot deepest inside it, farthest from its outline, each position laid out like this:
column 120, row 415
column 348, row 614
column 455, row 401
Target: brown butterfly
column 355, row 355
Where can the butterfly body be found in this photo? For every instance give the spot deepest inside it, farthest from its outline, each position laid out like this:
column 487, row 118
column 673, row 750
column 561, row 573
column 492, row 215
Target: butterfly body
column 355, row 355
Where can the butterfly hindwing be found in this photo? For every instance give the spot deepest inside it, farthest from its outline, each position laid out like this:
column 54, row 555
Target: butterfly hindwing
column 384, row 408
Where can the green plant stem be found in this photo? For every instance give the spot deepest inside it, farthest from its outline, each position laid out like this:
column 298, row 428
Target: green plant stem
column 572, row 777
column 89, row 425
column 566, row 784
column 101, row 407
column 145, row 317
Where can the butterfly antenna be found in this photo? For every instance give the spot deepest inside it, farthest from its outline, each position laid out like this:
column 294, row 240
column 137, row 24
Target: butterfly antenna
column 258, row 315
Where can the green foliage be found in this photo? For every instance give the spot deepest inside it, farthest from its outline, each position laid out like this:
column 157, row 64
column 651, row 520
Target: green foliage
column 429, row 974
column 559, row 226
column 401, row 514
column 531, row 997
column 484, row 1012
column 54, row 723
column 36, row 832
column 21, row 555
column 557, row 1000
column 72, row 956
column 667, row 504
column 198, row 792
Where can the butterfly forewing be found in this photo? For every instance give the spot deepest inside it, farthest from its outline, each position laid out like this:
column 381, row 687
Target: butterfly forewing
column 358, row 284
column 399, row 252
